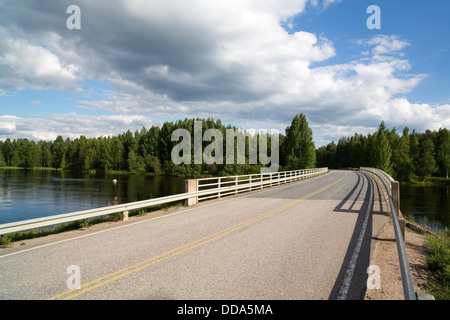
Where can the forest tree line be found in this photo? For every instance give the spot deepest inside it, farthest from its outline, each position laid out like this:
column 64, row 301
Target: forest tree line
column 149, row 150
column 404, row 156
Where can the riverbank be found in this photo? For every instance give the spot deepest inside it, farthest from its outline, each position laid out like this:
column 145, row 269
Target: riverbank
column 34, row 168
column 92, row 171
column 430, row 181
column 126, row 172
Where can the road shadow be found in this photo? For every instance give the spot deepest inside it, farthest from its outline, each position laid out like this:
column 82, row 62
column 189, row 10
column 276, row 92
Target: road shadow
column 353, row 272
column 358, row 185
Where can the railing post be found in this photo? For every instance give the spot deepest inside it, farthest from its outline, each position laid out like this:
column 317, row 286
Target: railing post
column 190, row 185
column 395, row 189
column 220, row 180
column 236, row 183
column 396, row 196
column 125, row 215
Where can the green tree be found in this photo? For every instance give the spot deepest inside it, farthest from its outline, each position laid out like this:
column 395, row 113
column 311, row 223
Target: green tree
column 46, row 154
column 59, row 150
column 7, row 151
column 15, row 159
column 443, row 152
column 382, row 150
column 356, row 147
column 27, row 153
column 343, row 153
column 331, row 154
column 326, row 156
column 426, row 164
column 322, row 159
column 148, row 144
column 403, row 166
column 165, row 143
column 152, row 164
column 135, row 162
column 414, row 148
column 105, row 153
column 117, row 153
column 299, row 148
column 71, row 155
column 2, row 159
column 84, row 155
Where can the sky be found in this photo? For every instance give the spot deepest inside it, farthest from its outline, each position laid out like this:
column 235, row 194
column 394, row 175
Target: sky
column 254, row 64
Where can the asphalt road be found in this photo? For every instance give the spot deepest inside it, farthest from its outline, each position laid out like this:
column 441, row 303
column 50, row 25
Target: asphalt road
column 305, row 240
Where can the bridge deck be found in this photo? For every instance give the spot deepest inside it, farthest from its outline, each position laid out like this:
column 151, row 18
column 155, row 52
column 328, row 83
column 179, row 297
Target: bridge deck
column 296, row 241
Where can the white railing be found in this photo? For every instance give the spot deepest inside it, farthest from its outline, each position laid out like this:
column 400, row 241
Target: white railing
column 223, row 187
column 244, row 183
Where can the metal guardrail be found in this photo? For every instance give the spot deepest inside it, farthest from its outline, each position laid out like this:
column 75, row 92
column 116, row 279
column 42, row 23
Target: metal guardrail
column 388, row 182
column 243, row 183
column 53, row 220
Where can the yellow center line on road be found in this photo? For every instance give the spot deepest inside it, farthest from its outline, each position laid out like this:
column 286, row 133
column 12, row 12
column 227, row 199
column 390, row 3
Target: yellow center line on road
column 149, row 262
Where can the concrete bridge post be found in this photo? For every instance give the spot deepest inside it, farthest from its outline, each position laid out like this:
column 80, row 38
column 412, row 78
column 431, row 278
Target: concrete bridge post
column 190, row 185
column 395, row 187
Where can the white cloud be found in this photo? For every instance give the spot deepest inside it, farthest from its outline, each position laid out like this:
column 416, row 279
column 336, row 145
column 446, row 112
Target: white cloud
column 7, row 124
column 26, row 65
column 70, row 126
column 325, row 3
column 331, row 132
column 413, row 115
column 231, row 60
column 384, row 46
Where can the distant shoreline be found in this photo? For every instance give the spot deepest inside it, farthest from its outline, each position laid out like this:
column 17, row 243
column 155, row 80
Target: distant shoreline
column 34, row 168
column 108, row 172
column 428, row 182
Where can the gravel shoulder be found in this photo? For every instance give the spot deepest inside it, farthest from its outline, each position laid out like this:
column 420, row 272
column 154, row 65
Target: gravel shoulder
column 385, row 256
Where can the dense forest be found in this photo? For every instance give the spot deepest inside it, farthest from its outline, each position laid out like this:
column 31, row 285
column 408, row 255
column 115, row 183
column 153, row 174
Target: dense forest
column 149, row 150
column 404, row 156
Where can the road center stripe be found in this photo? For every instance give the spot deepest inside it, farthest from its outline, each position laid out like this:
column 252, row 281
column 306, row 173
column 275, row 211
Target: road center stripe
column 149, row 262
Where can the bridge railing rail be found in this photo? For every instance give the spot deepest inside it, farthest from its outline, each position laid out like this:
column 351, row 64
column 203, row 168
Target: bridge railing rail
column 243, row 183
column 392, row 189
column 191, row 196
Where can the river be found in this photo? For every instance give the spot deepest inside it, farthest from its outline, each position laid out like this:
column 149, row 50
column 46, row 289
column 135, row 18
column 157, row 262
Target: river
column 427, row 204
column 27, row 194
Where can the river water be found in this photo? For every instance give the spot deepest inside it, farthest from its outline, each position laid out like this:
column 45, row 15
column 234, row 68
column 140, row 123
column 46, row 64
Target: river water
column 427, row 204
column 27, row 194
